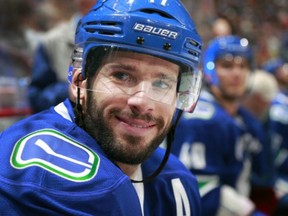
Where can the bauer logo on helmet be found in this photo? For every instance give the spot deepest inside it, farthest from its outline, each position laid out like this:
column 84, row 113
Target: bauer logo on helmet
column 155, row 30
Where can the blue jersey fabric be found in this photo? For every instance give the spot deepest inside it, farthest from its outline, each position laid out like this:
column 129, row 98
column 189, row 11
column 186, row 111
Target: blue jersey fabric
column 50, row 166
column 173, row 192
column 278, row 126
column 219, row 149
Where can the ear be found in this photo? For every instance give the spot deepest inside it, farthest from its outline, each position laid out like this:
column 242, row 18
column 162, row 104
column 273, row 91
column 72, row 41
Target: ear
column 77, row 83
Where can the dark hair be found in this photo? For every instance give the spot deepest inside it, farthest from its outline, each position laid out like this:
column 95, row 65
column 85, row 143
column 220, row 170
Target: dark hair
column 93, row 60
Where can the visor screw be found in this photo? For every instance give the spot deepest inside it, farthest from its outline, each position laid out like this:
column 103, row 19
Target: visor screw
column 167, row 46
column 140, row 40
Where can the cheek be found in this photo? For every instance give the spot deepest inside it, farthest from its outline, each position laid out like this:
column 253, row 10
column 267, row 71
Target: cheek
column 222, row 79
column 167, row 114
column 221, row 74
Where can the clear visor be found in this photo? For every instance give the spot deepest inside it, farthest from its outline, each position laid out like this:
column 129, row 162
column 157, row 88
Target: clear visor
column 129, row 71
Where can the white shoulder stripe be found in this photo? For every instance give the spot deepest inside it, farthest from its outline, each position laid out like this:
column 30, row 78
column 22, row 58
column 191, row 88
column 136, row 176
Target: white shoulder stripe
column 62, row 110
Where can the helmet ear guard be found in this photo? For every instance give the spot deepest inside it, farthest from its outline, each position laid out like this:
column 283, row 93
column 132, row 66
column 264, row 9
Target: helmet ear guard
column 162, row 29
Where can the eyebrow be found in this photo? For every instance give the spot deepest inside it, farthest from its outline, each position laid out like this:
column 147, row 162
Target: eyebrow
column 134, row 68
column 122, row 66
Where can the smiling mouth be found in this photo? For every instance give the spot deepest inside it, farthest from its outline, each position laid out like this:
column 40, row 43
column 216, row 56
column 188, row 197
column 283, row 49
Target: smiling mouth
column 136, row 123
column 138, row 126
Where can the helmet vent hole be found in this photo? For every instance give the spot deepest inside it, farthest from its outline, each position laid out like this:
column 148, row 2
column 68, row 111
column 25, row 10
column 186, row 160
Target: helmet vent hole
column 196, row 54
column 195, row 43
column 105, row 33
column 104, row 28
column 151, row 11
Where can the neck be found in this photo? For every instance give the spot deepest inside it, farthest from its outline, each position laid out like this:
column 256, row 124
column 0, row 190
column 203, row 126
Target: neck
column 129, row 170
column 230, row 105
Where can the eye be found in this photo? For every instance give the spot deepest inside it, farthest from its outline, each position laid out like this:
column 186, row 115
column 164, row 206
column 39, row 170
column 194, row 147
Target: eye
column 244, row 65
column 226, row 64
column 121, row 76
column 160, row 84
column 164, row 84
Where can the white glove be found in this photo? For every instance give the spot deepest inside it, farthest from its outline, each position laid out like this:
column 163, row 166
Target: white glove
column 234, row 204
column 281, row 188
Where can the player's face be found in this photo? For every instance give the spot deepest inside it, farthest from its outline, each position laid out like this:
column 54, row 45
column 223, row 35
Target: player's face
column 123, row 113
column 233, row 76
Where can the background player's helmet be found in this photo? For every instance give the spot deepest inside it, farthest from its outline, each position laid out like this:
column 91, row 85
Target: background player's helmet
column 223, row 47
column 273, row 65
column 161, row 28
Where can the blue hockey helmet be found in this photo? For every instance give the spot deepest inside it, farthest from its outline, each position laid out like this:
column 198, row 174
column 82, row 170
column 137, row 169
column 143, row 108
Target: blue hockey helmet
column 161, row 28
column 221, row 47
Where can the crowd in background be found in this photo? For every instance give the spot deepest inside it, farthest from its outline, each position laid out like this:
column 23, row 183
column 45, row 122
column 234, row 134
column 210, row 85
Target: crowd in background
column 264, row 23
column 23, row 24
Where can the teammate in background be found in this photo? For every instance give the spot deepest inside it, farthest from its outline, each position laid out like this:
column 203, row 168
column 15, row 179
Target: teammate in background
column 49, row 84
column 135, row 62
column 262, row 90
column 278, row 126
column 221, row 142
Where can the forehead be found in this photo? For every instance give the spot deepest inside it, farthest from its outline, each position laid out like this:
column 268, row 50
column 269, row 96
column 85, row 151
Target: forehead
column 231, row 59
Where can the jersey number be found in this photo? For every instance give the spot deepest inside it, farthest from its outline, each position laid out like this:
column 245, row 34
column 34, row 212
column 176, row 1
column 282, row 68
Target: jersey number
column 193, row 156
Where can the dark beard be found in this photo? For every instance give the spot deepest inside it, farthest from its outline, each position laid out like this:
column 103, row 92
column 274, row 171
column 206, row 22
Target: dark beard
column 98, row 128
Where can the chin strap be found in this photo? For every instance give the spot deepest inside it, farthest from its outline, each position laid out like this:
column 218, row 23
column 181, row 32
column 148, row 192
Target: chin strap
column 78, row 107
column 170, row 139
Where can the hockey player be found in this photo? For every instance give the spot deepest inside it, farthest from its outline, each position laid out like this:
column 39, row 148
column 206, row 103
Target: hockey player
column 278, row 126
column 135, row 62
column 221, row 142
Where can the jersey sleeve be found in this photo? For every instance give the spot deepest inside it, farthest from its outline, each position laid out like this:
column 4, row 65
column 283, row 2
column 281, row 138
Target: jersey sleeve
column 51, row 172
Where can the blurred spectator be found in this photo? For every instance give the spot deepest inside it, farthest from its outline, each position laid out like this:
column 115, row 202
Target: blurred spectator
column 262, row 22
column 221, row 27
column 15, row 59
column 49, row 84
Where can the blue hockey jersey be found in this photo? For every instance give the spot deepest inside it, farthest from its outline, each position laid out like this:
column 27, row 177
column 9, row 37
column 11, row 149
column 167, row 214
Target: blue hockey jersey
column 219, row 149
column 50, row 166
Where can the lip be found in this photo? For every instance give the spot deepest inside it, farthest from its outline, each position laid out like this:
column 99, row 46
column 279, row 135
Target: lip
column 135, row 126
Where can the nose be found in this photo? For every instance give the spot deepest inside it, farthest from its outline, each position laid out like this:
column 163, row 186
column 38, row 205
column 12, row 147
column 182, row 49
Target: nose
column 141, row 102
column 238, row 71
